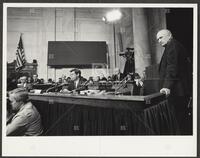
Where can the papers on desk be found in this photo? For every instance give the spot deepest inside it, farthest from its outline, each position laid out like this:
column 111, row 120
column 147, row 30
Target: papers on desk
column 36, row 91
column 92, row 92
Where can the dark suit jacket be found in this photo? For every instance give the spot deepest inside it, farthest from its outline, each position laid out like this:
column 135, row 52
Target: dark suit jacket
column 174, row 69
column 37, row 81
column 115, row 77
column 80, row 85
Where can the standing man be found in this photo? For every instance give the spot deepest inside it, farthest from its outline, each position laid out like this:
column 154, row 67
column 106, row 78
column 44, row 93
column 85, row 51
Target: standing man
column 175, row 77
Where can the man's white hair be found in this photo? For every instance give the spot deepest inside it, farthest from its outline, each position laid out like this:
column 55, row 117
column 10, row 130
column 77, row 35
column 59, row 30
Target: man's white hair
column 165, row 32
column 20, row 94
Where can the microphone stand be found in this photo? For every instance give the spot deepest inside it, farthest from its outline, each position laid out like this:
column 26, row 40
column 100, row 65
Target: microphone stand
column 82, row 86
column 56, row 86
column 124, row 81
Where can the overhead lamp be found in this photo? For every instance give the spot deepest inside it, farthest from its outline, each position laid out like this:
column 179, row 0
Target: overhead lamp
column 112, row 16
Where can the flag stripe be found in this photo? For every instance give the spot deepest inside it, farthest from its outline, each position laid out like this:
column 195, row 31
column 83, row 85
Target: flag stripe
column 19, row 60
column 20, row 56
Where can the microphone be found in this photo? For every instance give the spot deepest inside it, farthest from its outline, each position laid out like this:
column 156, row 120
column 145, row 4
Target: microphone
column 56, row 86
column 82, row 86
column 124, row 80
column 85, row 83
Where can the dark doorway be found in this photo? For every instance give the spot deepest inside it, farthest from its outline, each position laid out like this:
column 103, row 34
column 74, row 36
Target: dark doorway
column 180, row 23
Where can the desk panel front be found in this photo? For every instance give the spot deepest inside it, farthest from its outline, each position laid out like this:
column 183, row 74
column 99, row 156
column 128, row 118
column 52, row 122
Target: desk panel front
column 71, row 115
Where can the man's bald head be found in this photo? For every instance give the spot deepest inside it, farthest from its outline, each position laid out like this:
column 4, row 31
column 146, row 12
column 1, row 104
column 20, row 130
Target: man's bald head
column 164, row 36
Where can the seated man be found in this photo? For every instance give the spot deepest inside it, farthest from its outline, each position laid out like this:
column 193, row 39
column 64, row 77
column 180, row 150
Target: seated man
column 117, row 76
column 90, row 81
column 24, row 83
column 50, row 81
column 41, row 81
column 35, row 79
column 29, row 79
column 138, row 85
column 77, row 83
column 96, row 78
column 102, row 77
column 60, row 81
column 26, row 120
column 9, row 113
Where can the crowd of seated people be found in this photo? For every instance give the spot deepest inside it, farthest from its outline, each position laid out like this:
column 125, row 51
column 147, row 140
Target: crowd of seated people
column 26, row 82
column 76, row 82
column 24, row 119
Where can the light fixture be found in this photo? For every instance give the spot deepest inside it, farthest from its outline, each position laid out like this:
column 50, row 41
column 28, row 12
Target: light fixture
column 112, row 16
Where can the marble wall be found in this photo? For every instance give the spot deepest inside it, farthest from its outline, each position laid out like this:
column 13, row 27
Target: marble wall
column 146, row 23
column 136, row 29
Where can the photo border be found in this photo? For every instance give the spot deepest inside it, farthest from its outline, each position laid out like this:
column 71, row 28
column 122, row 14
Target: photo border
column 198, row 117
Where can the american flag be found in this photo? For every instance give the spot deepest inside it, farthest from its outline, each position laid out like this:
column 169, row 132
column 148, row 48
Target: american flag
column 20, row 56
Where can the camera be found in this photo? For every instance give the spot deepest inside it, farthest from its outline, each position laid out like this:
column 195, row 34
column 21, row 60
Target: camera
column 129, row 53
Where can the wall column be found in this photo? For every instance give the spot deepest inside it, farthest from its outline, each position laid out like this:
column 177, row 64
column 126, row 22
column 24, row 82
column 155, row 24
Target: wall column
column 141, row 39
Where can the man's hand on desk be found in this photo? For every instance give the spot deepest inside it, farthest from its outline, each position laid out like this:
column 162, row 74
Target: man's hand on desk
column 65, row 91
column 165, row 91
column 138, row 82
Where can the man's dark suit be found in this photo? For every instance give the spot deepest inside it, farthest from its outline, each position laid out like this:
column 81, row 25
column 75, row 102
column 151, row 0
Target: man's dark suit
column 117, row 77
column 80, row 85
column 174, row 74
column 37, row 81
column 174, row 69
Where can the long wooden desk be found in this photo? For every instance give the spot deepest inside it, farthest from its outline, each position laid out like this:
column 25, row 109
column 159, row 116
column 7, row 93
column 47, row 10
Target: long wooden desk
column 64, row 114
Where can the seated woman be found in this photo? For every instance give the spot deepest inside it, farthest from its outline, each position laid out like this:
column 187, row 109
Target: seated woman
column 26, row 120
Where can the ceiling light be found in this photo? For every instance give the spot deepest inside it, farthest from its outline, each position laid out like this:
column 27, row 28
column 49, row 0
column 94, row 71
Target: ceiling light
column 112, row 16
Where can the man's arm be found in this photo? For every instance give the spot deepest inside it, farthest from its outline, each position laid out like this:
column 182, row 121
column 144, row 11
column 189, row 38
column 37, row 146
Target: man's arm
column 171, row 70
column 17, row 126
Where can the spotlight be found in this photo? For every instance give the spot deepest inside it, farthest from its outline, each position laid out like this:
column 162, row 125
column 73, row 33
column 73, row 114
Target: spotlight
column 112, row 16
